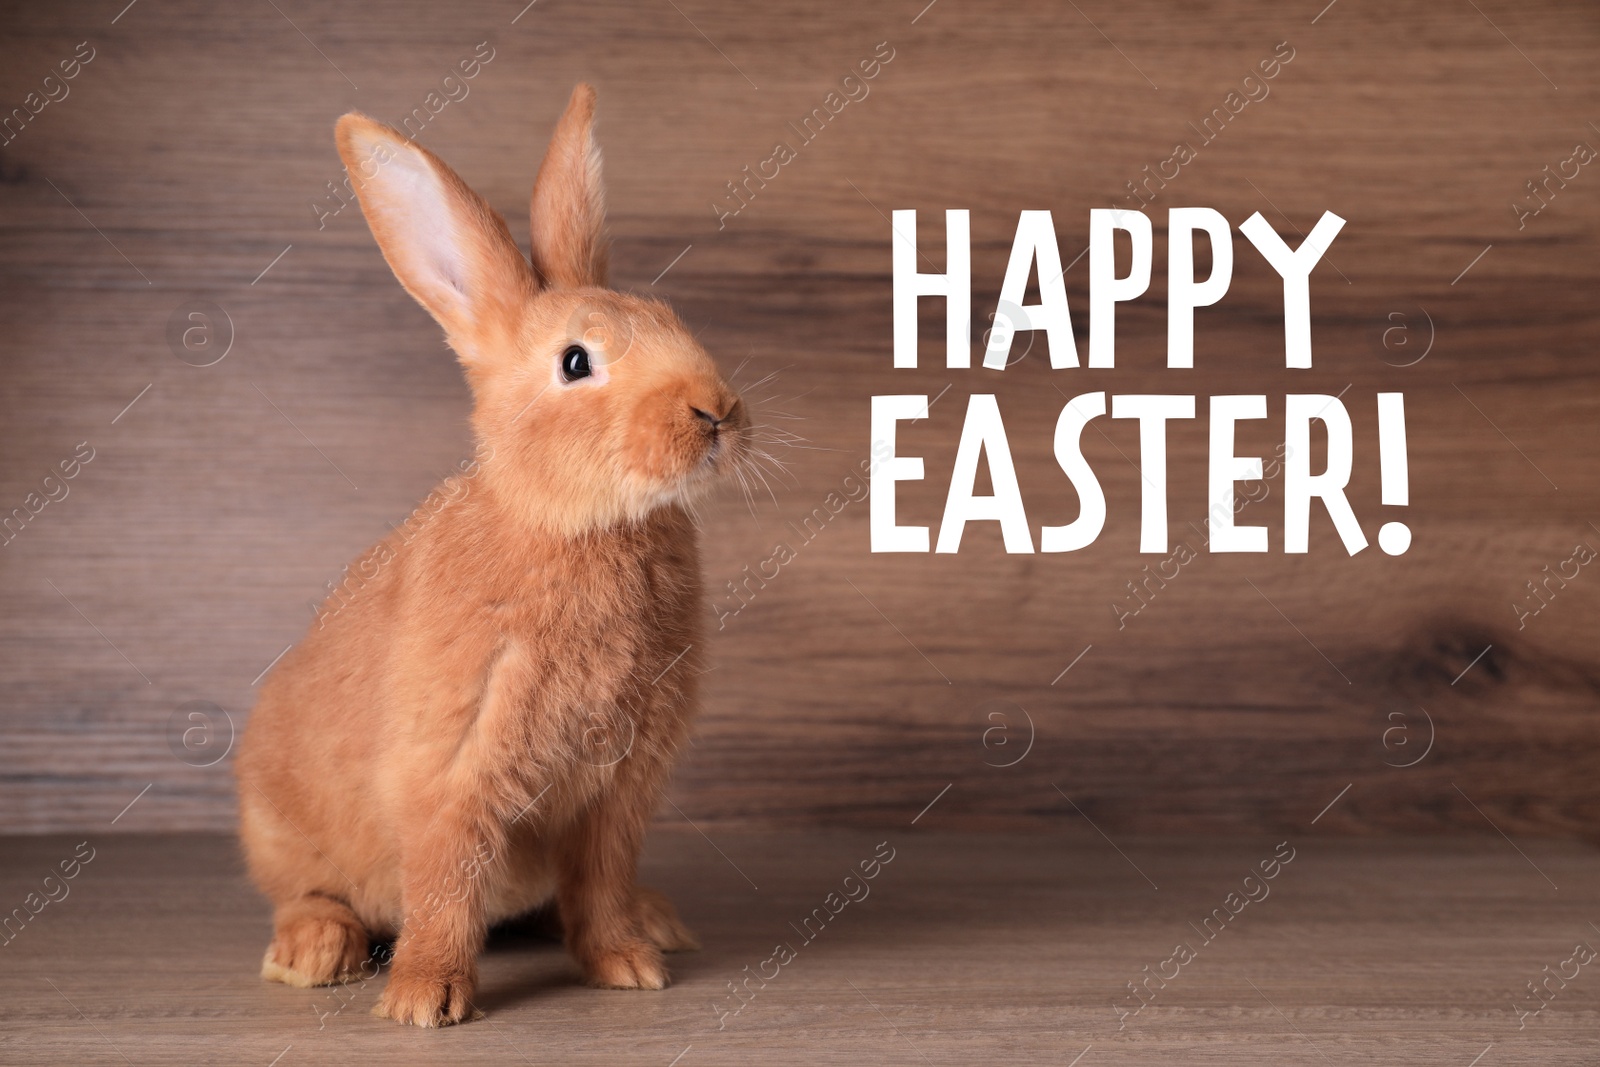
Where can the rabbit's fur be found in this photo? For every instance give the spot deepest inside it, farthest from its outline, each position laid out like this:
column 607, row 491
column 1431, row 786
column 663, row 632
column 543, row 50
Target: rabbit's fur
column 488, row 722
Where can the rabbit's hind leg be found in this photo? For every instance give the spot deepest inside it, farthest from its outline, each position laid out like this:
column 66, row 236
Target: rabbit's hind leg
column 316, row 940
column 659, row 923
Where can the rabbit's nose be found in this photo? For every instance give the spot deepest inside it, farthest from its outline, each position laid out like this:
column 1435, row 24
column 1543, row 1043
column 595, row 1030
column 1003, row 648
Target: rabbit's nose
column 713, row 420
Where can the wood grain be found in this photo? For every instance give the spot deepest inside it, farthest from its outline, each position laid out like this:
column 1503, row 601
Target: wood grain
column 854, row 687
column 963, row 949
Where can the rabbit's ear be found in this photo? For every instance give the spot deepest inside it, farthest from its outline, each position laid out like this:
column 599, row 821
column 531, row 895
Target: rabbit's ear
column 568, row 210
column 447, row 246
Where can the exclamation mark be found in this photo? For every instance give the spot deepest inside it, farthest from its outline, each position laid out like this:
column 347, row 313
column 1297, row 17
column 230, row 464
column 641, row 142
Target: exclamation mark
column 1394, row 537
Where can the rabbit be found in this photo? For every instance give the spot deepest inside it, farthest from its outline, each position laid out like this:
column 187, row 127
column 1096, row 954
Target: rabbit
column 423, row 764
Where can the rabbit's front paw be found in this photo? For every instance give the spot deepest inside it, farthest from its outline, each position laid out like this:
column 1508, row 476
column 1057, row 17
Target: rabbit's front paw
column 427, row 999
column 631, row 965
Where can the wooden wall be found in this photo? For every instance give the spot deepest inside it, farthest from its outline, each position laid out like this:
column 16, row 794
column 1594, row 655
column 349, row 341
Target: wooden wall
column 854, row 687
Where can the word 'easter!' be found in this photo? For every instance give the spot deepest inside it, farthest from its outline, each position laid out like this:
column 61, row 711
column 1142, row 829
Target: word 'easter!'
column 1035, row 252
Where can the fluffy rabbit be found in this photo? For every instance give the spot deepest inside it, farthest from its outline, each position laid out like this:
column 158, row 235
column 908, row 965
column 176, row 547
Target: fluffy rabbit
column 425, row 762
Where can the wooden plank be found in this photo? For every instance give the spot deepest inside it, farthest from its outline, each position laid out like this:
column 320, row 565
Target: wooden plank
column 963, row 949
column 185, row 554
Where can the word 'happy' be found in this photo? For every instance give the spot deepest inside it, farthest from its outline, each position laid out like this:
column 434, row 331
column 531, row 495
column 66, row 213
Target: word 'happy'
column 1036, row 252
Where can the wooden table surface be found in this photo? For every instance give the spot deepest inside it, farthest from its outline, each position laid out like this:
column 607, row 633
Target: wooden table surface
column 966, row 949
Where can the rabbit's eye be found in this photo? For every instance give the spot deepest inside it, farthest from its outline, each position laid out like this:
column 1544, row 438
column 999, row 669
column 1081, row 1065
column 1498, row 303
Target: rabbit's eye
column 575, row 363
